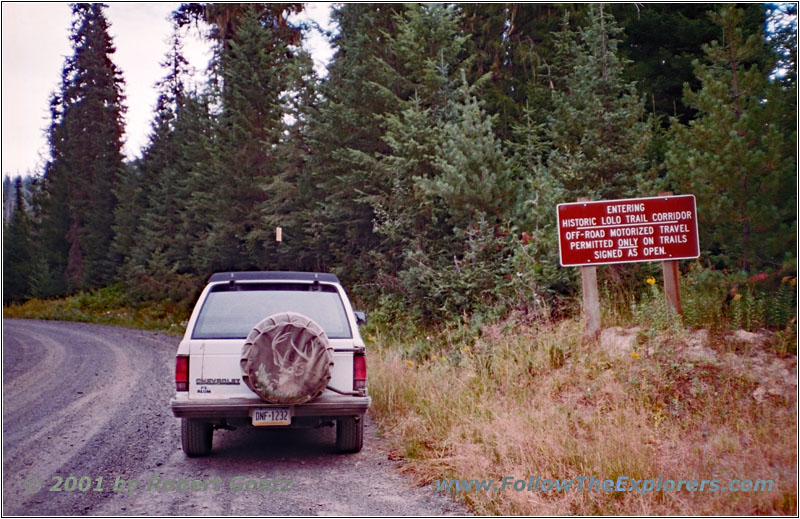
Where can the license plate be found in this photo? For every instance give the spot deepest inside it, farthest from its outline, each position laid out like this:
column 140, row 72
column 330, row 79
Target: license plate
column 271, row 416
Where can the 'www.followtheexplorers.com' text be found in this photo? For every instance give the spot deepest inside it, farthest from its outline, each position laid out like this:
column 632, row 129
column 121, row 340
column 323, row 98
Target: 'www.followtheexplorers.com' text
column 590, row 483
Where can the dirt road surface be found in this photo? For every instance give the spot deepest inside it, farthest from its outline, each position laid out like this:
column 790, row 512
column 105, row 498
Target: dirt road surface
column 87, row 430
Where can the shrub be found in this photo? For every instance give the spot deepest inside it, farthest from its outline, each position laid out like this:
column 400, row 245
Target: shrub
column 703, row 293
column 654, row 314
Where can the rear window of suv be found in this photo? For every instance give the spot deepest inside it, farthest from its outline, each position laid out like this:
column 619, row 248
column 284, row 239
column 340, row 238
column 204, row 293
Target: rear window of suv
column 231, row 311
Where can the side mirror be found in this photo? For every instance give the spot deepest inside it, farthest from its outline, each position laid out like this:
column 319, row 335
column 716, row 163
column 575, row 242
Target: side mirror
column 361, row 317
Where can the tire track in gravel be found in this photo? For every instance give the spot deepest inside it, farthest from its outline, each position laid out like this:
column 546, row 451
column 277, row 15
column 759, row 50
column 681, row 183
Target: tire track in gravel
column 28, row 354
column 72, row 411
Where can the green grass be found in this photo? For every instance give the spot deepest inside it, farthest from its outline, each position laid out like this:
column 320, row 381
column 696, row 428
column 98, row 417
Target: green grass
column 105, row 306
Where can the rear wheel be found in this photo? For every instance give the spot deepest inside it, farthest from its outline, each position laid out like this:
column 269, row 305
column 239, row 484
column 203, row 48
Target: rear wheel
column 196, row 437
column 350, row 434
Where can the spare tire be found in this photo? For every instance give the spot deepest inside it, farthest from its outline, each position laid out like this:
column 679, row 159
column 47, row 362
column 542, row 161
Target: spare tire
column 287, row 359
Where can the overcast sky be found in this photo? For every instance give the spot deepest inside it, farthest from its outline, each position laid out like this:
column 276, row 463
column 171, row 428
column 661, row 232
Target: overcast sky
column 35, row 43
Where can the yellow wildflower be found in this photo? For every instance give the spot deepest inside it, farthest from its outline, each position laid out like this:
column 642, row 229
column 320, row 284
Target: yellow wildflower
column 635, row 355
column 651, row 281
column 410, row 362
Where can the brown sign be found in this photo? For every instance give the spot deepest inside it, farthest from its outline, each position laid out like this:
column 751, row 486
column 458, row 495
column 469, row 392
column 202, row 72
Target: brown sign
column 625, row 231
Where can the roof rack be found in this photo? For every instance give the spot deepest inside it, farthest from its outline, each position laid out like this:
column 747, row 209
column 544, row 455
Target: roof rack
column 273, row 276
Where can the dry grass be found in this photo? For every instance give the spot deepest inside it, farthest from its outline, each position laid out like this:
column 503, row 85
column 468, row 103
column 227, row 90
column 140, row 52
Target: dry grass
column 534, row 401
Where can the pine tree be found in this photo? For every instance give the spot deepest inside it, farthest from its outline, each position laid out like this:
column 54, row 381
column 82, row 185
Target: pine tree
column 345, row 131
column 8, row 198
column 224, row 19
column 51, row 205
column 597, row 128
column 17, row 250
column 737, row 156
column 443, row 220
column 150, row 213
column 427, row 55
column 253, row 67
column 514, row 45
column 86, row 152
column 193, row 138
column 427, row 52
column 444, row 217
column 465, row 268
column 128, row 212
column 662, row 41
column 405, row 219
column 291, row 189
column 419, row 188
column 537, row 274
column 474, row 176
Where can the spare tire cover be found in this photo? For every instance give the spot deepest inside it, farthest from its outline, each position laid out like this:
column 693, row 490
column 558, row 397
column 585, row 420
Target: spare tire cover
column 287, row 359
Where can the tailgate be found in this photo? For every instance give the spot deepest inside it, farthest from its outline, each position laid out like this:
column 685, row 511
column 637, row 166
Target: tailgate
column 215, row 371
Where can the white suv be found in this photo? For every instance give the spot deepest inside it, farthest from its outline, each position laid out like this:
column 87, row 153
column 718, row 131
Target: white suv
column 271, row 349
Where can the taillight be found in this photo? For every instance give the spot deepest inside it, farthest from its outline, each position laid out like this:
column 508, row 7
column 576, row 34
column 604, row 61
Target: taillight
column 359, row 372
column 182, row 373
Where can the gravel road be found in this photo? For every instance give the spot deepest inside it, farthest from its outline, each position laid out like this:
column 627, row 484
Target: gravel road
column 87, row 430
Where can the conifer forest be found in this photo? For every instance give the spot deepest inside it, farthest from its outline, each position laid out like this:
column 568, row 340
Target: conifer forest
column 425, row 167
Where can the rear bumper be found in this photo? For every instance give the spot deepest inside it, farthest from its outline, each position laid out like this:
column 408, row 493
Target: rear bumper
column 326, row 405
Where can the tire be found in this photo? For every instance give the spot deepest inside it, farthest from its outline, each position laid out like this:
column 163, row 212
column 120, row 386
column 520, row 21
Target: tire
column 196, row 437
column 287, row 359
column 350, row 434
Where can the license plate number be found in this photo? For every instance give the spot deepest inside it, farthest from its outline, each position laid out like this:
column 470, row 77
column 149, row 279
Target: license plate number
column 271, row 416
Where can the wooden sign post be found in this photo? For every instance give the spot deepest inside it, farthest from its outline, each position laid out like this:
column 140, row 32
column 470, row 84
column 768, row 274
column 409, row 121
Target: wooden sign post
column 672, row 287
column 662, row 228
column 591, row 298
